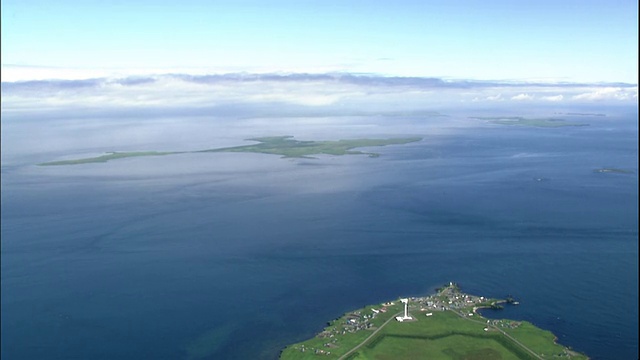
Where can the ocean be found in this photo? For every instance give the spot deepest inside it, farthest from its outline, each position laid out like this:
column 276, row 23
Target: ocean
column 236, row 255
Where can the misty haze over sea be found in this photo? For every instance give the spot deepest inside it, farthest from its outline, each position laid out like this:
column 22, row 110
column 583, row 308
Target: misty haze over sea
column 236, row 255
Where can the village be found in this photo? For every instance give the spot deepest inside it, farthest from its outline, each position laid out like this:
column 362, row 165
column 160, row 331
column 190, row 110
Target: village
column 451, row 298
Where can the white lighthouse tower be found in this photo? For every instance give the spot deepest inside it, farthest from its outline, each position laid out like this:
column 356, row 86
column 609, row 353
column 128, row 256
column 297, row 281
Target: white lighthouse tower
column 406, row 311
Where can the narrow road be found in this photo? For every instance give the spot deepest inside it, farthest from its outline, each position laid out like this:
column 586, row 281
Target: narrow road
column 369, row 337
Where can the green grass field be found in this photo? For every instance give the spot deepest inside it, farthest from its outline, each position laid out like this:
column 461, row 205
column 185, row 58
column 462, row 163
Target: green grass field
column 285, row 146
column 449, row 347
column 445, row 335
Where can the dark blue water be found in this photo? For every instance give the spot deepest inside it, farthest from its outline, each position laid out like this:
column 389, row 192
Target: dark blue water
column 234, row 256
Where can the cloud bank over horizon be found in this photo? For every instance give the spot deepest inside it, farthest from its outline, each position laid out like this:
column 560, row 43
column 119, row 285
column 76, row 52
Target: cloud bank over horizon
column 346, row 90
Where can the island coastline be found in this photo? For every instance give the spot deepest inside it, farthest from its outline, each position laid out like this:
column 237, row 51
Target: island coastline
column 433, row 325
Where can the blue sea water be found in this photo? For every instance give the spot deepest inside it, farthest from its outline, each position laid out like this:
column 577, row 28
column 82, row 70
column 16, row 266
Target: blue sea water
column 234, row 256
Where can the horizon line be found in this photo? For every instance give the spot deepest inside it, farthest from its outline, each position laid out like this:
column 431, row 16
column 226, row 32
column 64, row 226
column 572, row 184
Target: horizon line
column 202, row 75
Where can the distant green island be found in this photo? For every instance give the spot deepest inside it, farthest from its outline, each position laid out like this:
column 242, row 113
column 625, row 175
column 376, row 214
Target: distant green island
column 521, row 121
column 446, row 325
column 285, row 146
column 582, row 114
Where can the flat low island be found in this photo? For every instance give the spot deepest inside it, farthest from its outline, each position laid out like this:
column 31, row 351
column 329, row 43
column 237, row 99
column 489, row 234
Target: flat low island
column 284, row 146
column 445, row 325
column 521, row 121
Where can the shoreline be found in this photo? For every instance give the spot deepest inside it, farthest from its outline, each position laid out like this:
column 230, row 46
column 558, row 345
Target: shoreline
column 434, row 319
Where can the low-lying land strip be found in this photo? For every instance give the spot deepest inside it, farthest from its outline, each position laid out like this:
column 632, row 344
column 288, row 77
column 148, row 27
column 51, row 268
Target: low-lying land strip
column 521, row 121
column 445, row 325
column 285, row 146
column 612, row 171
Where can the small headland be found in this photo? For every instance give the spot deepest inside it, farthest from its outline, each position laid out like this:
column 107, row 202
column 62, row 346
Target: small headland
column 445, row 325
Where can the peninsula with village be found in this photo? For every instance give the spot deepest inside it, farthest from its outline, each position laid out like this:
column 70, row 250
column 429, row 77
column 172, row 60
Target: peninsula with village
column 445, row 325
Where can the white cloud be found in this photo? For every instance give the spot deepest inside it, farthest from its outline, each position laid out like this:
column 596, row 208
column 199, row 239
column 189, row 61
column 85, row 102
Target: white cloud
column 552, row 98
column 521, row 97
column 362, row 92
column 11, row 73
column 608, row 93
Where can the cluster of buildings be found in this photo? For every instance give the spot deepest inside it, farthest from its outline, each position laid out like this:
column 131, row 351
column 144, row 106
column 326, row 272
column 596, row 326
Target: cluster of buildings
column 509, row 324
column 449, row 298
column 303, row 348
column 353, row 322
column 350, row 323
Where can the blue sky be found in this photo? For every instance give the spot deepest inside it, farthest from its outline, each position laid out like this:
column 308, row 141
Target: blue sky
column 579, row 41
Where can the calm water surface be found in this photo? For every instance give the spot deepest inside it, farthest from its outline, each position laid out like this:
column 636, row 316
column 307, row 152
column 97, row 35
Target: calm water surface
column 234, row 256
